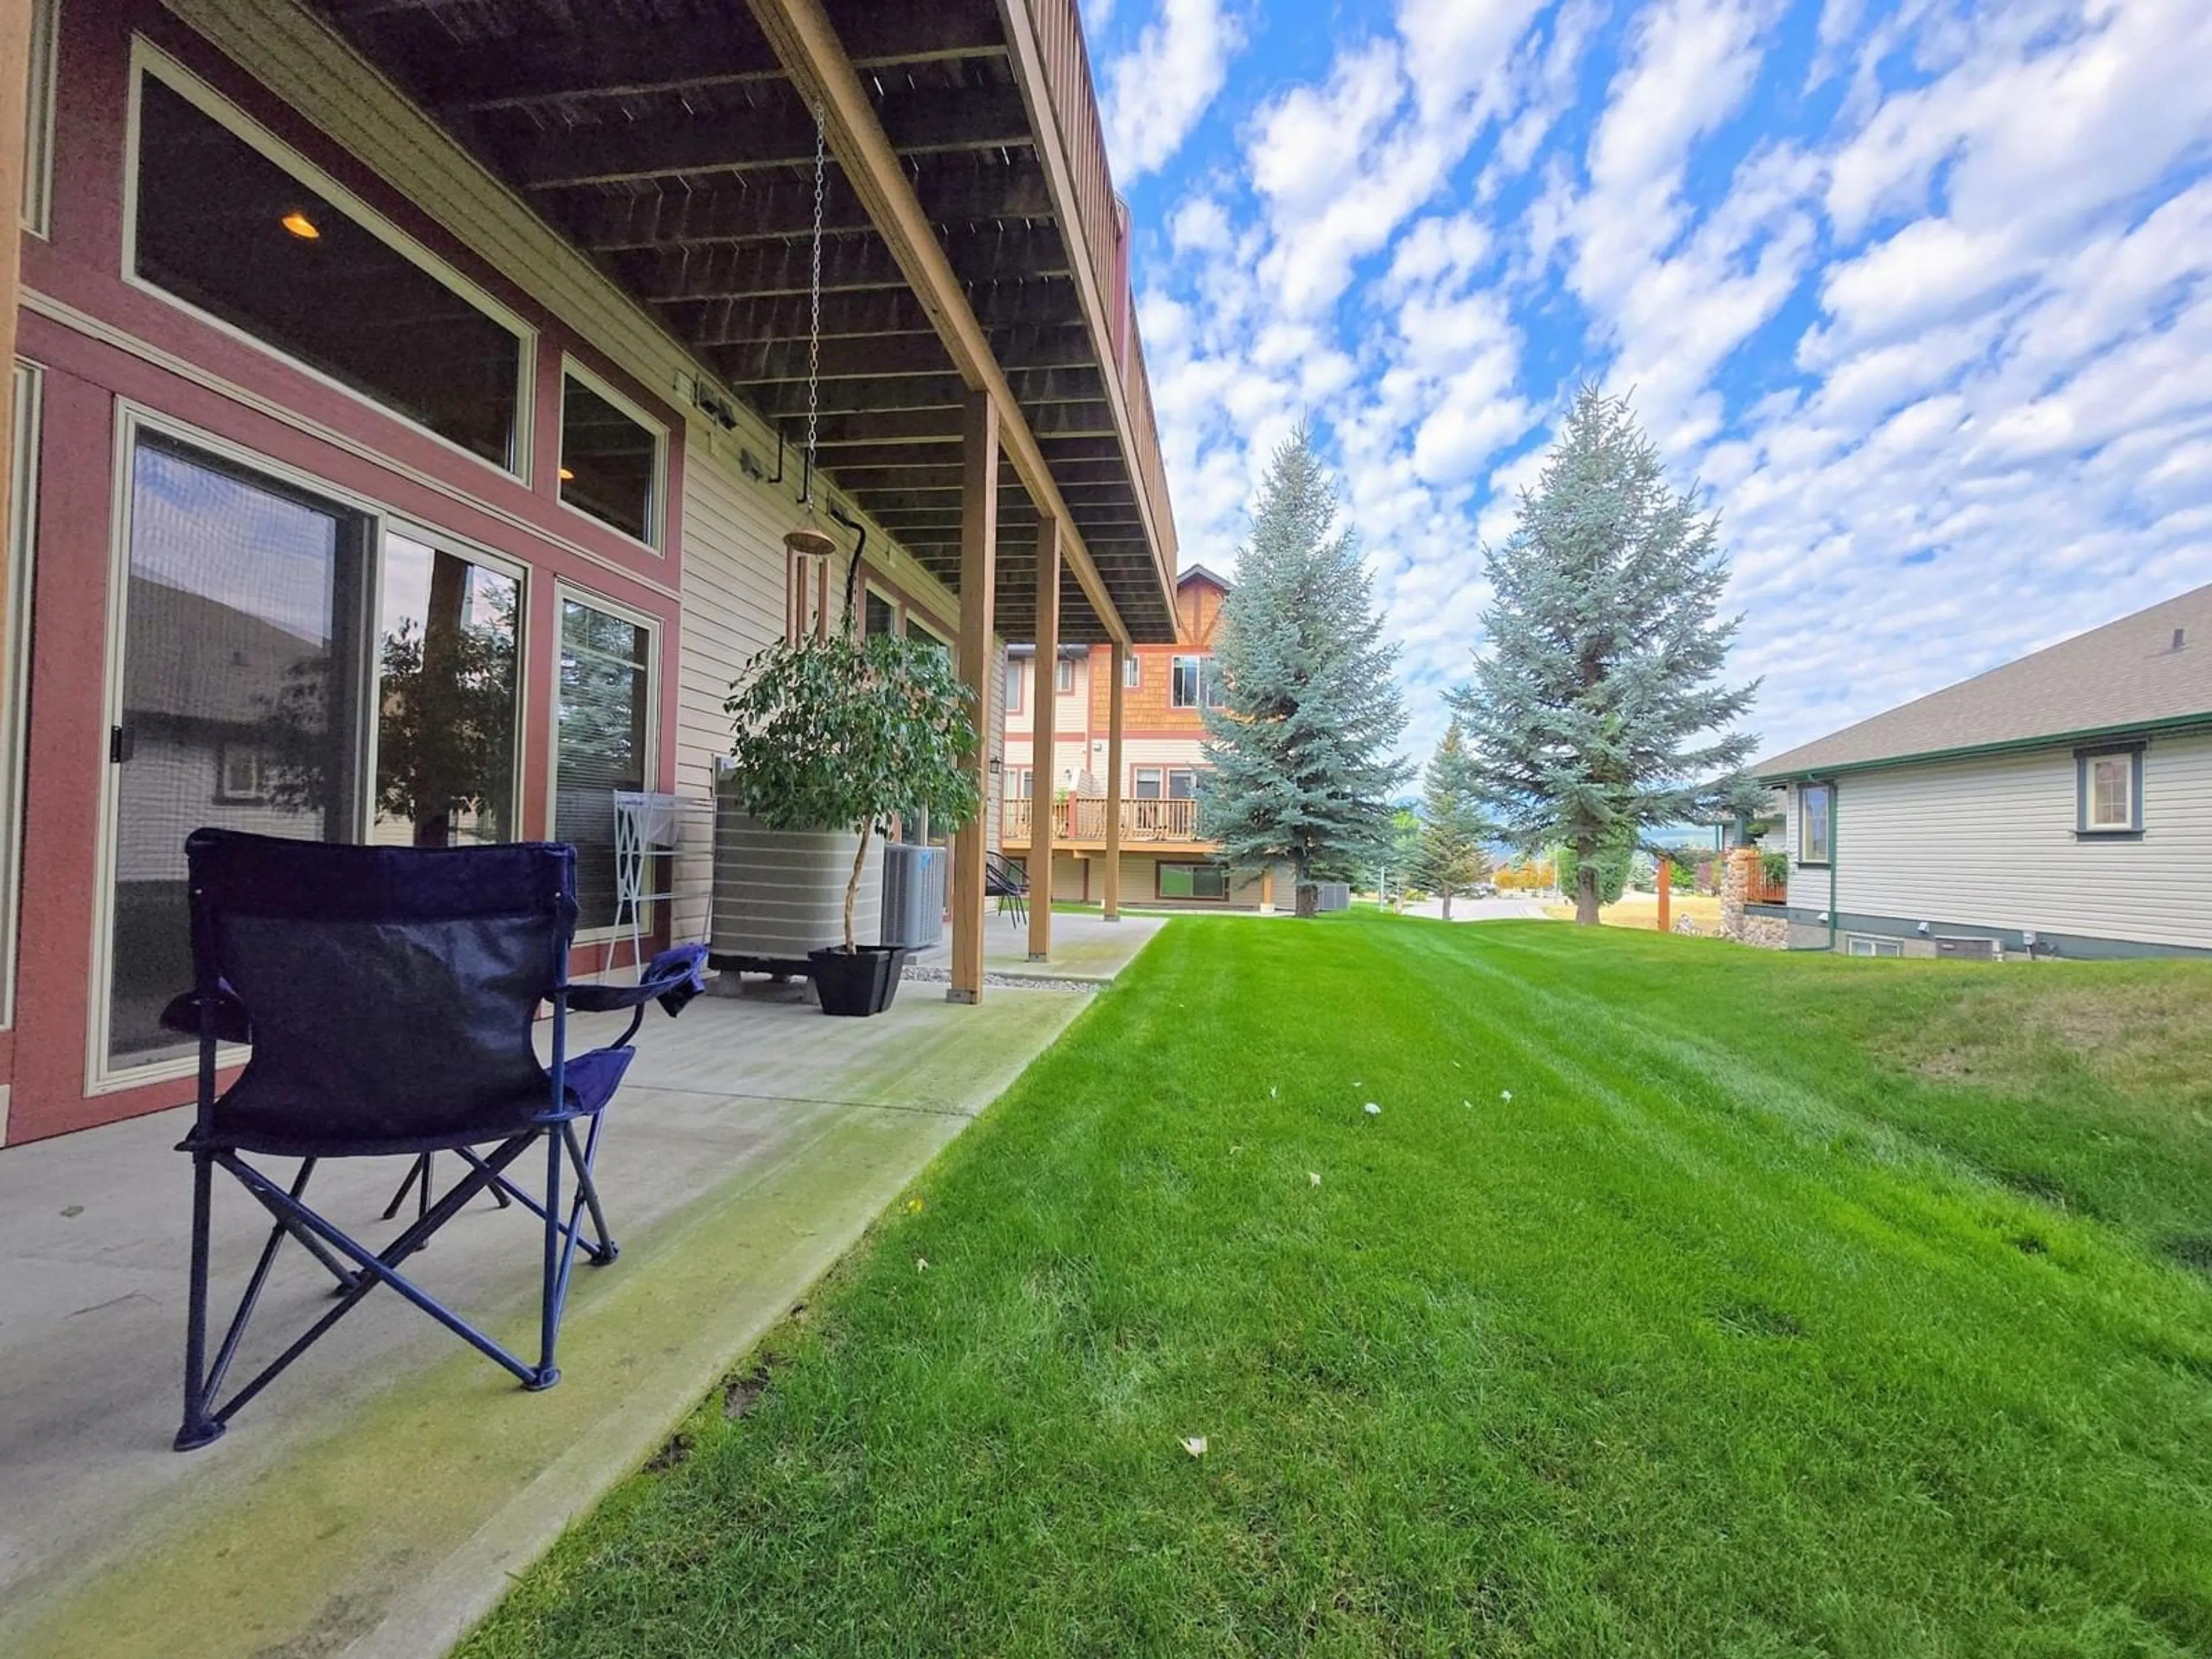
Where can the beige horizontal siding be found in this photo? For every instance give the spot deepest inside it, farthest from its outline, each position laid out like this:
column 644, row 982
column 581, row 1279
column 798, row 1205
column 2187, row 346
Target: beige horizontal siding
column 1991, row 842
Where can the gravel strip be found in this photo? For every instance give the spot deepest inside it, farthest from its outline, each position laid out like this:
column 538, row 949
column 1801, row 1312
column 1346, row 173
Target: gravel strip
column 1002, row 981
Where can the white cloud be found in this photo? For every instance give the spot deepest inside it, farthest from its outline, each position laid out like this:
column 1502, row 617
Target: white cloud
column 1937, row 352
column 1156, row 92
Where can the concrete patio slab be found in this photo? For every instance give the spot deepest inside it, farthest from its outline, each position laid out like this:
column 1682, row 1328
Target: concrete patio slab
column 374, row 1501
column 1088, row 948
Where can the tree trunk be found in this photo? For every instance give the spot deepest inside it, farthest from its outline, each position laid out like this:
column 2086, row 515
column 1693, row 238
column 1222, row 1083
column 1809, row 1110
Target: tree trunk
column 853, row 884
column 1308, row 899
column 1586, row 914
column 1447, row 904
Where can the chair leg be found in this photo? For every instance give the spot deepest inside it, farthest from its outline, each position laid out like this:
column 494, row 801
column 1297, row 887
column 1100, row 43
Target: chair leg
column 199, row 1428
column 548, row 1307
column 584, row 1159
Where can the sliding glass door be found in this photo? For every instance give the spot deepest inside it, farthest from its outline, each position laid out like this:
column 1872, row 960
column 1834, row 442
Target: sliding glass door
column 257, row 694
column 240, row 700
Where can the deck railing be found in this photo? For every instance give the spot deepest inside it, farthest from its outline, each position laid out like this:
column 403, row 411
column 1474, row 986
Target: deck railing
column 1081, row 821
column 1759, row 888
column 1073, row 96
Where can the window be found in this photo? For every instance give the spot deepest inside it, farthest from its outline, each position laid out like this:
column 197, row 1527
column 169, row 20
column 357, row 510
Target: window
column 262, row 690
column 1016, row 673
column 1816, row 812
column 611, row 458
column 1183, row 783
column 243, row 688
column 928, row 635
column 1144, row 783
column 1021, row 783
column 1133, row 670
column 448, row 698
column 878, row 615
column 1859, row 944
column 1191, row 881
column 1063, row 675
column 221, row 227
column 2108, row 785
column 1195, row 684
column 39, row 119
column 240, row 779
column 603, row 743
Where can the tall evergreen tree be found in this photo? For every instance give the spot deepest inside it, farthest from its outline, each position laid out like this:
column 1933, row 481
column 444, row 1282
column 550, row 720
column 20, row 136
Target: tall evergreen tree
column 1598, row 712
column 1449, row 858
column 1300, row 747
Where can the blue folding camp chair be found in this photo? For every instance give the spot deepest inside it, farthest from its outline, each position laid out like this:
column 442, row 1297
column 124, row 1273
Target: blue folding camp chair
column 389, row 995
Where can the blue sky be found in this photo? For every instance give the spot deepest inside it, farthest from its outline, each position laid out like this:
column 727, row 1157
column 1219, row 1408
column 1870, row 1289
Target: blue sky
column 1920, row 293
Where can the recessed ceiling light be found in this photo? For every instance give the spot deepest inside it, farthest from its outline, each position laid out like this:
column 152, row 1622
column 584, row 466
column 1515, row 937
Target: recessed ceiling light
column 300, row 225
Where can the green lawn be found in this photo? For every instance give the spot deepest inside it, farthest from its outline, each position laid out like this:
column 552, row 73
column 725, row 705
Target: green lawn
column 1789, row 1305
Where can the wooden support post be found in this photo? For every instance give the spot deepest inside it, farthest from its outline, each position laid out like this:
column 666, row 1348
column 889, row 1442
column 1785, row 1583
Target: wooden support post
column 1045, row 762
column 1666, row 893
column 1118, row 666
column 979, row 575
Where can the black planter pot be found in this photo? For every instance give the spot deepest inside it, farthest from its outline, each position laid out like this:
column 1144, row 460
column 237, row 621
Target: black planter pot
column 859, row 982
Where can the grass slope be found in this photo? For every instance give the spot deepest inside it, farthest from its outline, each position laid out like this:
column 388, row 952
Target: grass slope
column 1790, row 1305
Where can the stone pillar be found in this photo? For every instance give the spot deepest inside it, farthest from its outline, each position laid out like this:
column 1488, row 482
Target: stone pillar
column 1735, row 882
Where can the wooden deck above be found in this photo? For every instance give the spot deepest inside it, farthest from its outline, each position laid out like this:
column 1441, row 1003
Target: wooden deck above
column 1079, row 824
column 674, row 140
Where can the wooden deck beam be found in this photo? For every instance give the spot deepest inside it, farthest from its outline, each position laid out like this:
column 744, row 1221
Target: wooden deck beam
column 867, row 149
column 776, row 132
column 1045, row 704
column 1117, row 660
column 979, row 559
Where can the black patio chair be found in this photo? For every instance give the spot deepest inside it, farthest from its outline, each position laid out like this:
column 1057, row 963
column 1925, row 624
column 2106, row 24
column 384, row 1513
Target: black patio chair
column 388, row 995
column 1003, row 880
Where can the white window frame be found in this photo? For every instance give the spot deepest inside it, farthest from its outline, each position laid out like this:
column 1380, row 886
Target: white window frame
column 1132, row 671
column 1017, row 672
column 26, row 388
column 39, row 83
column 564, row 591
column 150, row 60
column 2087, row 763
column 1872, row 944
column 1063, row 676
column 656, row 509
column 1803, row 852
column 133, row 422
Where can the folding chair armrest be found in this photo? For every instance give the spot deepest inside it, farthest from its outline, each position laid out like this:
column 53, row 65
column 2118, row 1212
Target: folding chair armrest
column 671, row 979
column 228, row 1020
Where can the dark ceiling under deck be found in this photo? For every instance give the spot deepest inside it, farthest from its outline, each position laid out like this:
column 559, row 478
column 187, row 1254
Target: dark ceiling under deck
column 664, row 138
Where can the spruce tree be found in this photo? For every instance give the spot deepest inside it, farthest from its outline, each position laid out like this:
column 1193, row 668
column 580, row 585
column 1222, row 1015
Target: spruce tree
column 1449, row 858
column 1598, row 711
column 1299, row 750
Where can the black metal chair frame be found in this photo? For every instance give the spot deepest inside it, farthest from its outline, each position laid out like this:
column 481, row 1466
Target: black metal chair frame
column 219, row 1011
column 1006, row 884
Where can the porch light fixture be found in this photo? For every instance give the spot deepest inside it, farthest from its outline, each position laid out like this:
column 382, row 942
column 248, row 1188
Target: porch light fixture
column 301, row 226
column 568, row 475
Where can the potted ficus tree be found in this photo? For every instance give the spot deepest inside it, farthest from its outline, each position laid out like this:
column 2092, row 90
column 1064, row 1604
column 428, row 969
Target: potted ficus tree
column 840, row 734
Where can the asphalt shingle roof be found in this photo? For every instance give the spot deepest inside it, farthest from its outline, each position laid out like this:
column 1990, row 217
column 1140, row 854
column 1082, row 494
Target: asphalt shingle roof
column 2125, row 673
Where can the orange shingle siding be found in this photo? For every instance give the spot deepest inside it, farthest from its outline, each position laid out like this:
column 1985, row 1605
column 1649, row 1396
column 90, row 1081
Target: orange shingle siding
column 1146, row 706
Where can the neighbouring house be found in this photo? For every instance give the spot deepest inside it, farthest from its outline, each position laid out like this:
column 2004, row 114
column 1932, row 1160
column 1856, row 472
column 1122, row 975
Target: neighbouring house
column 408, row 408
column 2060, row 805
column 1162, row 857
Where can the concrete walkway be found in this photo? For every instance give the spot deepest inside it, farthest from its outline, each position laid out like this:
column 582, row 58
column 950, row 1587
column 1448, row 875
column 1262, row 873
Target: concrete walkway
column 374, row 1502
column 1474, row 909
column 1084, row 948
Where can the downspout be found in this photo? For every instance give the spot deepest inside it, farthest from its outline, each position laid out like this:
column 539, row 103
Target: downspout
column 1835, row 852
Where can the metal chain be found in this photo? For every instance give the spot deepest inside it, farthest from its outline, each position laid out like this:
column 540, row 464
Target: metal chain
column 814, row 300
